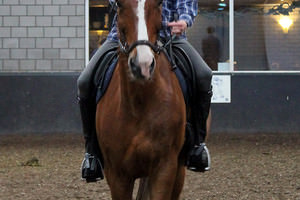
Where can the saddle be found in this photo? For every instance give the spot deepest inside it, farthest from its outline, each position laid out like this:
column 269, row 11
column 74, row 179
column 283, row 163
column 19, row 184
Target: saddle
column 104, row 73
column 183, row 70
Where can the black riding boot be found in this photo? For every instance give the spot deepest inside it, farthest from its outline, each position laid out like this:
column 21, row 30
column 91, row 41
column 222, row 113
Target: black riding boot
column 199, row 158
column 91, row 167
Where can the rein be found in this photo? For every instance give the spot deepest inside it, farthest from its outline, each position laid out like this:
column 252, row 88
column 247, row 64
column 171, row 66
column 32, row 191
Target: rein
column 157, row 48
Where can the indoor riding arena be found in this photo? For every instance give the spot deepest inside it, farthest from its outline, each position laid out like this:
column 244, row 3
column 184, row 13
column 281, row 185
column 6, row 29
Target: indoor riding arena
column 254, row 145
column 254, row 126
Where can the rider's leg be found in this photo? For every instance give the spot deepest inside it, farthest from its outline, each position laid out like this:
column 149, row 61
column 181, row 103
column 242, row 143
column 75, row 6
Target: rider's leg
column 91, row 168
column 91, row 165
column 199, row 158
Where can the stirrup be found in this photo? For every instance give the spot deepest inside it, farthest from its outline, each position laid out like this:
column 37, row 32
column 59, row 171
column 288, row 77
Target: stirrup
column 91, row 169
column 199, row 159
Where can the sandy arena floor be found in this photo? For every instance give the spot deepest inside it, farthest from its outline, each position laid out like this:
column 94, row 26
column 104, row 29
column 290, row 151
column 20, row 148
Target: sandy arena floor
column 252, row 167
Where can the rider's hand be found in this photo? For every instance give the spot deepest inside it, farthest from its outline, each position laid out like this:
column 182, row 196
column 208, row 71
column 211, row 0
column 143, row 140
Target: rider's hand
column 178, row 27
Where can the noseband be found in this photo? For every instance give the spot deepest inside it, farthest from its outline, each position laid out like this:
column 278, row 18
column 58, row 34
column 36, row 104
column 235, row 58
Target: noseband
column 127, row 49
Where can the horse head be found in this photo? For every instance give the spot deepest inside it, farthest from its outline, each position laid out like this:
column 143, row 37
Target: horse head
column 139, row 22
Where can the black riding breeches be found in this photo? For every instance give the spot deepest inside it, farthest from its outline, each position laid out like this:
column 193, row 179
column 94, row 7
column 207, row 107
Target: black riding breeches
column 85, row 81
column 202, row 72
column 201, row 90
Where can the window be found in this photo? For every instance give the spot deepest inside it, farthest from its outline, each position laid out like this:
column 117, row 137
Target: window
column 265, row 34
column 210, row 33
column 231, row 35
column 100, row 19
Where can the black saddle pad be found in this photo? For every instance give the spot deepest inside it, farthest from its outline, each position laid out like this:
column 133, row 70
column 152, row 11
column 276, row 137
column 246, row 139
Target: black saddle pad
column 104, row 73
column 108, row 64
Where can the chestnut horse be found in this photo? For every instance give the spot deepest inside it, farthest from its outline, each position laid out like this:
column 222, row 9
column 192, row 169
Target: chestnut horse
column 141, row 119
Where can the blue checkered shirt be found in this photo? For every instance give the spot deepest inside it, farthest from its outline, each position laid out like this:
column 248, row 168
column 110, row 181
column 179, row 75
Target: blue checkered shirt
column 185, row 10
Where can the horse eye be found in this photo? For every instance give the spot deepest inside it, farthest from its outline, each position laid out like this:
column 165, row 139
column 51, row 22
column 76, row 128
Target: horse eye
column 159, row 2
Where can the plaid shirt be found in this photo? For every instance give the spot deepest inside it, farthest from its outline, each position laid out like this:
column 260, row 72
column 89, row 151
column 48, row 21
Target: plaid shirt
column 185, row 10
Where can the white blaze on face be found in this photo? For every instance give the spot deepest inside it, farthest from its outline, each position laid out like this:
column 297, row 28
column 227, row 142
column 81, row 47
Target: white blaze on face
column 144, row 53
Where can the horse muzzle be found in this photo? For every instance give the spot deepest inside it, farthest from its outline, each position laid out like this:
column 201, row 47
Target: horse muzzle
column 141, row 69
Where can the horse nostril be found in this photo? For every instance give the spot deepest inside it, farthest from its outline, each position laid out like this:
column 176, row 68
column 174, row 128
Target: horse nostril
column 133, row 66
column 131, row 62
column 135, row 69
column 152, row 65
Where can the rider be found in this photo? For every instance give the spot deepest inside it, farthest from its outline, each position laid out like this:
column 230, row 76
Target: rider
column 198, row 158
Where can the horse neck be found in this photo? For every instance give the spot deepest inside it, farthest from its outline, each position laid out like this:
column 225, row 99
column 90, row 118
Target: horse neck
column 139, row 95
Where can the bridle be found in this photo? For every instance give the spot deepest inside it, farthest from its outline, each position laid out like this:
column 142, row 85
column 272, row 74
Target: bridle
column 126, row 49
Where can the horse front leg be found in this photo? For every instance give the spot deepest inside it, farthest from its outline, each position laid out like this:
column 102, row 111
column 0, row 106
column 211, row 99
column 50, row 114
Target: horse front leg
column 179, row 181
column 121, row 187
column 162, row 181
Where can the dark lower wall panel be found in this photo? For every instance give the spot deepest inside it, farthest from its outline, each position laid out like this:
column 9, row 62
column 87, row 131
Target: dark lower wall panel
column 260, row 103
column 38, row 103
column 46, row 103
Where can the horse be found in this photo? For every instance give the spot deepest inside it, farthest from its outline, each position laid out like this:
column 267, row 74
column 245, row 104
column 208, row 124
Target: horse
column 140, row 121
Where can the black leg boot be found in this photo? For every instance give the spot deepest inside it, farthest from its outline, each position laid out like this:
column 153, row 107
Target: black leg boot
column 199, row 158
column 91, row 167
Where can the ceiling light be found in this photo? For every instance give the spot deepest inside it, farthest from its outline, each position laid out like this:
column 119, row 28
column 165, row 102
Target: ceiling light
column 285, row 22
